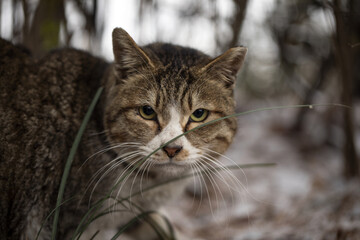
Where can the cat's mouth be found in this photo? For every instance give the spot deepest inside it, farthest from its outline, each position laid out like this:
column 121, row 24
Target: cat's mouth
column 171, row 168
column 170, row 161
column 174, row 159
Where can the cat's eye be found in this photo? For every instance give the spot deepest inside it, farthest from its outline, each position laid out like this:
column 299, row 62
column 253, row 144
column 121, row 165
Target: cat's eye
column 199, row 115
column 147, row 112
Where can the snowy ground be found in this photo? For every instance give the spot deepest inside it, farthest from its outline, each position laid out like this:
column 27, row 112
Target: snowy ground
column 302, row 197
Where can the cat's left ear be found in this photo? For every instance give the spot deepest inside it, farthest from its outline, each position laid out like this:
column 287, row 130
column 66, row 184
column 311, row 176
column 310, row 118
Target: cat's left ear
column 227, row 65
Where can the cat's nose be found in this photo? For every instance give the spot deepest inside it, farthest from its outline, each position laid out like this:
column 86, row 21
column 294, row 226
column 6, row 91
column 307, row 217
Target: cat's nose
column 172, row 151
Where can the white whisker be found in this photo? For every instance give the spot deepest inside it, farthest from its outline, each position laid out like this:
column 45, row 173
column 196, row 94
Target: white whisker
column 229, row 159
column 214, row 184
column 98, row 133
column 223, row 168
column 114, row 166
column 206, row 187
column 122, row 158
column 135, row 177
column 146, row 168
column 196, row 174
column 127, row 174
column 122, row 145
column 218, row 168
column 193, row 172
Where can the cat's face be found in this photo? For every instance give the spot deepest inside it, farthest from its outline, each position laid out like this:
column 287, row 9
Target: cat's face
column 160, row 91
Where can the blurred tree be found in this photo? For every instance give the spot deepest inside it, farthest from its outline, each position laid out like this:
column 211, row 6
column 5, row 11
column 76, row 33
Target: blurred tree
column 347, row 35
column 304, row 51
column 40, row 25
column 311, row 57
column 207, row 9
column 236, row 23
column 42, row 33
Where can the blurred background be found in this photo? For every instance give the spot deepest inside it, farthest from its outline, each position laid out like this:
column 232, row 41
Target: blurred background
column 299, row 52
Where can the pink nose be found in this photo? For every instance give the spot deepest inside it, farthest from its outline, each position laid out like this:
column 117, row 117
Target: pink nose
column 172, row 151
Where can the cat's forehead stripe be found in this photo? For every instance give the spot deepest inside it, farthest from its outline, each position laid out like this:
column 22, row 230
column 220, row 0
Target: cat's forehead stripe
column 173, row 87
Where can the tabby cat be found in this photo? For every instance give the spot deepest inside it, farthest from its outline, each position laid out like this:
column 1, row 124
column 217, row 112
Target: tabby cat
column 151, row 95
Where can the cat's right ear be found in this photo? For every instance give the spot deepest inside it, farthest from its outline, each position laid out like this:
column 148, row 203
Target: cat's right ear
column 129, row 57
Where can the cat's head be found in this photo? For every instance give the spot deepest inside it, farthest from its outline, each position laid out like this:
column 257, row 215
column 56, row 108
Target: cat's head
column 157, row 92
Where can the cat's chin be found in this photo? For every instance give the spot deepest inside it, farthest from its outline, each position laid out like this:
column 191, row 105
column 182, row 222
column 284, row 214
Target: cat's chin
column 171, row 169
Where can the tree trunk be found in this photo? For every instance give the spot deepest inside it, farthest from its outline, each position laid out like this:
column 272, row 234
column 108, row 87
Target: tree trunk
column 345, row 63
column 45, row 28
column 237, row 21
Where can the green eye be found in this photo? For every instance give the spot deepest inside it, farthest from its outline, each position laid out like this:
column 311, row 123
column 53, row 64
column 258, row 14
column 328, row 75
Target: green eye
column 199, row 115
column 147, row 112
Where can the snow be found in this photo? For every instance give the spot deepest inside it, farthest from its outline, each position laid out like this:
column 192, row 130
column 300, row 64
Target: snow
column 303, row 197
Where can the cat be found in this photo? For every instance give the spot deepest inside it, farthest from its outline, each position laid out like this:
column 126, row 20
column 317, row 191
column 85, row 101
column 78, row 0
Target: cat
column 151, row 95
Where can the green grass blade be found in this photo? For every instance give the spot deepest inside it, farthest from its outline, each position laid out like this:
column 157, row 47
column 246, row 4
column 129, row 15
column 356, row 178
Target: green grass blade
column 161, row 233
column 99, row 203
column 87, row 215
column 310, row 106
column 131, row 222
column 96, row 233
column 175, row 179
column 70, row 160
column 48, row 216
column 83, row 225
column 93, row 218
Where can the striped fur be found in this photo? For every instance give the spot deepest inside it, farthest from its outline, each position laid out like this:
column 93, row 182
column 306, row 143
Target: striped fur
column 171, row 79
column 43, row 102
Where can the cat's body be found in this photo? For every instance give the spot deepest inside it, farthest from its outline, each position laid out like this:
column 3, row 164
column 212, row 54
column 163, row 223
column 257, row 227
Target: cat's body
column 42, row 104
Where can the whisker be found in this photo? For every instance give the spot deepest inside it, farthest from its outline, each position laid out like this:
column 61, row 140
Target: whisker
column 122, row 145
column 147, row 165
column 234, row 179
column 98, row 133
column 223, row 169
column 205, row 185
column 216, row 188
column 125, row 171
column 217, row 173
column 195, row 173
column 123, row 158
column 135, row 178
column 152, row 163
column 114, row 166
column 244, row 187
column 229, row 159
column 209, row 174
column 113, row 163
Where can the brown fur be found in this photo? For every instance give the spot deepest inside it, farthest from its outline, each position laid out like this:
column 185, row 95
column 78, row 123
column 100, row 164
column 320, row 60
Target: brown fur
column 43, row 102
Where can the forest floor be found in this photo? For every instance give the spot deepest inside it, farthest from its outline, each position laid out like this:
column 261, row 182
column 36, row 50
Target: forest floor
column 303, row 197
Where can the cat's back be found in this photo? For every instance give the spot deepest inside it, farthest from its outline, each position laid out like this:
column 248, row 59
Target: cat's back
column 42, row 103
column 43, row 97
